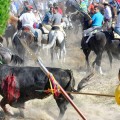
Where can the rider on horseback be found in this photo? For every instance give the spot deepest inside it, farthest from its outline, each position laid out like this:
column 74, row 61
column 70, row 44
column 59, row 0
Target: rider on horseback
column 28, row 20
column 96, row 23
column 47, row 19
column 57, row 19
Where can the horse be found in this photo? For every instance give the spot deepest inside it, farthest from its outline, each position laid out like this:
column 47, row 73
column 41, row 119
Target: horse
column 28, row 37
column 56, row 42
column 20, row 84
column 7, row 56
column 100, row 42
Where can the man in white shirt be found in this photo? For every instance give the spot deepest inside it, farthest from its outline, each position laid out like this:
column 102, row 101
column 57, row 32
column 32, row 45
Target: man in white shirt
column 107, row 15
column 28, row 20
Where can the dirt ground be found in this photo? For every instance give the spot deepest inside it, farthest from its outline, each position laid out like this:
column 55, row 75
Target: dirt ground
column 92, row 107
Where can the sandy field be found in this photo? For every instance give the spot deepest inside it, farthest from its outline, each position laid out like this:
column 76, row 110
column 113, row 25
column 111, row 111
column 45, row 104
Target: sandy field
column 92, row 107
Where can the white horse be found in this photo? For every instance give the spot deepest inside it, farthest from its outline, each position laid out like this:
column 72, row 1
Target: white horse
column 67, row 23
column 56, row 44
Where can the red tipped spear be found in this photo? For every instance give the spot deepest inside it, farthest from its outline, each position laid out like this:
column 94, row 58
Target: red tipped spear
column 51, row 77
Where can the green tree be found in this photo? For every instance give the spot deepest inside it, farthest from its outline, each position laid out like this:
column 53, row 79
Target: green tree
column 4, row 14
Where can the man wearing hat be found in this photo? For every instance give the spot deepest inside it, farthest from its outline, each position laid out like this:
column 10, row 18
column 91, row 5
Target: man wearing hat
column 107, row 15
column 28, row 20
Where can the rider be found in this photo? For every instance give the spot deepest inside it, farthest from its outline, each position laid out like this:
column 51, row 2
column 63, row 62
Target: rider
column 57, row 19
column 59, row 9
column 25, row 4
column 28, row 20
column 48, row 16
column 96, row 21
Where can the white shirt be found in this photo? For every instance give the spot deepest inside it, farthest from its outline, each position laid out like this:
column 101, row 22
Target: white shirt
column 118, row 21
column 107, row 12
column 27, row 18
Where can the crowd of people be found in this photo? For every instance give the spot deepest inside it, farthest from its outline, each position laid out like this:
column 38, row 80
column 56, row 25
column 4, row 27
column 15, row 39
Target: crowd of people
column 53, row 14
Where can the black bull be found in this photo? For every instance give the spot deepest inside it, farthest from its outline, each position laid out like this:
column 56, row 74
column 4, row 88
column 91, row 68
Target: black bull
column 30, row 79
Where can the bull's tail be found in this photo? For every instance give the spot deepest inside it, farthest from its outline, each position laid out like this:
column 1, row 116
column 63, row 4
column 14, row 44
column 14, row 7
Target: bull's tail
column 83, row 81
column 16, row 59
column 71, row 84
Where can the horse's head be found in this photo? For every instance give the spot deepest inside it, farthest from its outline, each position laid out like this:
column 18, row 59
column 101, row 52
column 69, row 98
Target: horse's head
column 82, row 19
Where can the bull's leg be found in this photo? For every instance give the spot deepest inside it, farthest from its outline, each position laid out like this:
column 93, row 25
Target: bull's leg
column 62, row 104
column 3, row 105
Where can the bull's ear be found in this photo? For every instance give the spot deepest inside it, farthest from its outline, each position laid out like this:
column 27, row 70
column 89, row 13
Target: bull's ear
column 119, row 75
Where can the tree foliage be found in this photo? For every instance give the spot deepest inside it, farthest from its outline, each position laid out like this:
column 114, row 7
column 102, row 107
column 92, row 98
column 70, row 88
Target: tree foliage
column 4, row 14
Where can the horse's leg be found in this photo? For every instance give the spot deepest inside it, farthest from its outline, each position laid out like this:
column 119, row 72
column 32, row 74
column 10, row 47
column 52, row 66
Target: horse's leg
column 3, row 106
column 110, row 57
column 98, row 62
column 87, row 53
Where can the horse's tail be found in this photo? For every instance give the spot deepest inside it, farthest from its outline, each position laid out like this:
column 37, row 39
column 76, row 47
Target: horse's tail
column 52, row 38
column 17, row 44
column 83, row 81
column 16, row 59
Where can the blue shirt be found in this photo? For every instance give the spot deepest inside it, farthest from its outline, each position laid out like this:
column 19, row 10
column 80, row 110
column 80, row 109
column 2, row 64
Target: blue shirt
column 97, row 19
column 47, row 18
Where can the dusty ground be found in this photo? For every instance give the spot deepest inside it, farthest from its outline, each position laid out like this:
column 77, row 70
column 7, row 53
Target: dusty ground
column 93, row 107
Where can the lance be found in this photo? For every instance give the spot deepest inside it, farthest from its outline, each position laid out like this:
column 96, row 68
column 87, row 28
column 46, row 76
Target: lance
column 51, row 77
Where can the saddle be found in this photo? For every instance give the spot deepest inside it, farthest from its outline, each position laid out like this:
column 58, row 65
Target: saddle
column 55, row 28
column 95, row 30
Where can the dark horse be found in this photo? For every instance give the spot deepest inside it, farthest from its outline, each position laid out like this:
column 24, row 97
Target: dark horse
column 100, row 42
column 19, row 84
column 28, row 37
